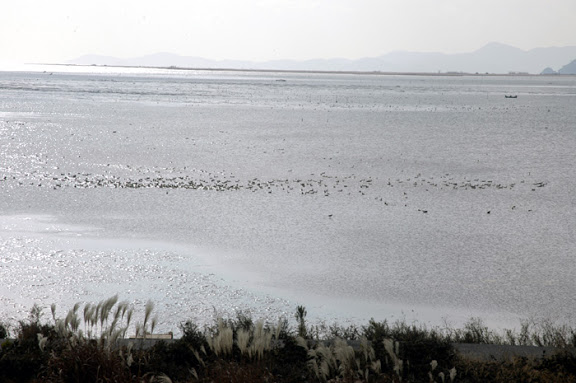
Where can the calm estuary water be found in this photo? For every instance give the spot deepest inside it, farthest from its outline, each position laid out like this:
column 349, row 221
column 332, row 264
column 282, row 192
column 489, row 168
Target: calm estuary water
column 425, row 198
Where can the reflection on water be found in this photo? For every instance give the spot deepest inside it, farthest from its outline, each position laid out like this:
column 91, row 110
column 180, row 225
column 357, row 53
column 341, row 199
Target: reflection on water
column 357, row 196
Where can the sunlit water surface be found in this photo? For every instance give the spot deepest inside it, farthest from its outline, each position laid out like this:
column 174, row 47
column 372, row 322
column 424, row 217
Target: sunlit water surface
column 425, row 198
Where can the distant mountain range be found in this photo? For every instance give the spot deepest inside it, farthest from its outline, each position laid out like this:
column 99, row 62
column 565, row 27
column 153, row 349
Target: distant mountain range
column 492, row 58
column 568, row 68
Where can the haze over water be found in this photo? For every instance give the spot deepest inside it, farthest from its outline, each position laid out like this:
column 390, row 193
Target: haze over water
column 356, row 196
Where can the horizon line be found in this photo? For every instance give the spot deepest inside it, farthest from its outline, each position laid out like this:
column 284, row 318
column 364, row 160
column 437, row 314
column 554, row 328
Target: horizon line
column 375, row 73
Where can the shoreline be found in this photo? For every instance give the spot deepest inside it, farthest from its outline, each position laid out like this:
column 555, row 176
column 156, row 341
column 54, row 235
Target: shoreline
column 232, row 289
column 304, row 71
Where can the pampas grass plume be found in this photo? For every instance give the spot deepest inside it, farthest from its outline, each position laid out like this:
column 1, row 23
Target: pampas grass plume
column 452, row 374
column 53, row 310
column 42, row 340
column 242, row 339
column 147, row 311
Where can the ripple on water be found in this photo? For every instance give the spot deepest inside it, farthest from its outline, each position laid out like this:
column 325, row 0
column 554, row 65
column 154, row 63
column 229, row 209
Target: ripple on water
column 45, row 268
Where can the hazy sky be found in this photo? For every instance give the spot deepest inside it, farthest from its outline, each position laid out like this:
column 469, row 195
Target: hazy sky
column 60, row 30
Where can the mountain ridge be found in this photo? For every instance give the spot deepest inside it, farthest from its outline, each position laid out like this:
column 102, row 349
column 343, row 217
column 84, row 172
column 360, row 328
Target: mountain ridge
column 491, row 58
column 569, row 68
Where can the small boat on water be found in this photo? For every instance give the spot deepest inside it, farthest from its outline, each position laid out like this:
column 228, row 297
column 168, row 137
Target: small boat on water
column 511, row 96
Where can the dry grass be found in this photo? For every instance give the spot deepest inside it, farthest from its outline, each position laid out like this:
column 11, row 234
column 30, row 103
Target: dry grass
column 82, row 347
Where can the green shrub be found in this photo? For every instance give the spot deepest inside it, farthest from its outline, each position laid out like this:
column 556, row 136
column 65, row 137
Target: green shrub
column 559, row 368
column 415, row 346
column 192, row 335
column 88, row 361
column 289, row 362
column 24, row 359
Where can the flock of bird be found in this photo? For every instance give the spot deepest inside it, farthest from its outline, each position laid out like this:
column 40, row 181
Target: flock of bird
column 389, row 191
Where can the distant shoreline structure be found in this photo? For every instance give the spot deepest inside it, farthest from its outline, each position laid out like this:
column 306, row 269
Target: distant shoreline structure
column 304, row 71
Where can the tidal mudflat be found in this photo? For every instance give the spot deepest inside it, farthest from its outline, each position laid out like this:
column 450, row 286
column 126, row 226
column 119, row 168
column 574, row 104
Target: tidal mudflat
column 425, row 198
